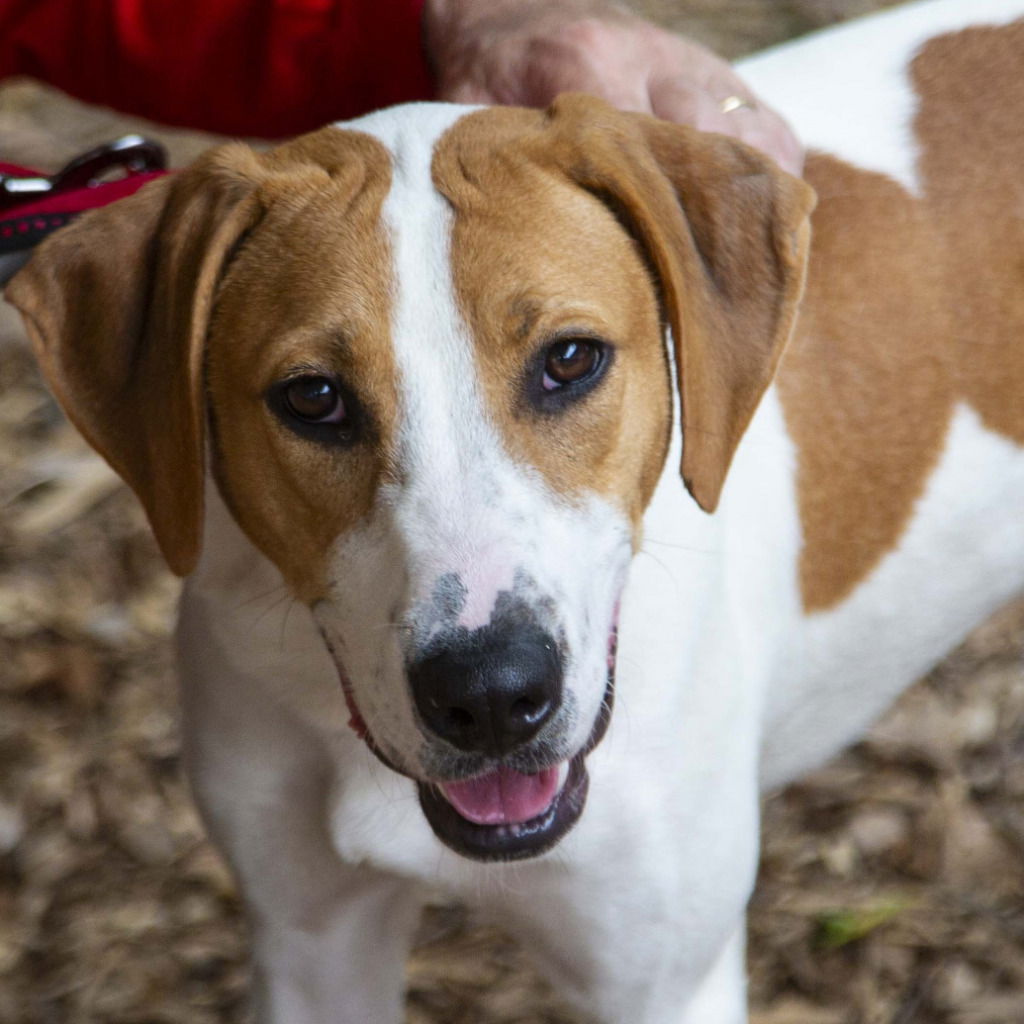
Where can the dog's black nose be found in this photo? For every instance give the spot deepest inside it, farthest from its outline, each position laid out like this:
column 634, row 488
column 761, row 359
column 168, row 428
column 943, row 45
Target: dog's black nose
column 489, row 690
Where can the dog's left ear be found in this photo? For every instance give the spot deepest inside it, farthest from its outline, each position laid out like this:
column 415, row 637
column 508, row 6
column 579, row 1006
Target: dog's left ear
column 726, row 232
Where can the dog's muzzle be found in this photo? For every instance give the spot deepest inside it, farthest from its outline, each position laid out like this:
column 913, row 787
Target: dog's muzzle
column 490, row 693
column 496, row 695
column 501, row 783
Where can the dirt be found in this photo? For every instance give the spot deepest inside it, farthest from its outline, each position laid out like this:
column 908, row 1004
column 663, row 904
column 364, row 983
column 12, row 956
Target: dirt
column 891, row 888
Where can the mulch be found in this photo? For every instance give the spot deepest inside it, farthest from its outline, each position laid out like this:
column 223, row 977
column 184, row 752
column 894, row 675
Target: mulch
column 892, row 881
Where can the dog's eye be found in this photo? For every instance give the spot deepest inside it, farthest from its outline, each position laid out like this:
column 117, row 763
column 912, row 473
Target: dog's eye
column 314, row 400
column 318, row 407
column 571, row 361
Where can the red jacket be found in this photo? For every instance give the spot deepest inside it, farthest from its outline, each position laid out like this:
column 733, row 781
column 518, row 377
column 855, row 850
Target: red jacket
column 240, row 67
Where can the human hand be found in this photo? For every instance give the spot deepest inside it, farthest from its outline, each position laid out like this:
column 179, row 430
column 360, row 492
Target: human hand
column 526, row 52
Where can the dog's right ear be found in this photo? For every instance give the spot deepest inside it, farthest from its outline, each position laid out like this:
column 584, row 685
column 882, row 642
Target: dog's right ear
column 117, row 306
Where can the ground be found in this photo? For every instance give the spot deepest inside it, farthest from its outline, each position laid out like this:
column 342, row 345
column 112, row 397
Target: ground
column 892, row 881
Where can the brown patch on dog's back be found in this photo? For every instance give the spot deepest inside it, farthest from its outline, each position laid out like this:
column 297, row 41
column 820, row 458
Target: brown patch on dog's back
column 972, row 169
column 912, row 304
column 868, row 408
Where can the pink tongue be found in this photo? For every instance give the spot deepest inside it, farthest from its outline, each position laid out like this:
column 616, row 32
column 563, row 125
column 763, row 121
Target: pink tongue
column 503, row 797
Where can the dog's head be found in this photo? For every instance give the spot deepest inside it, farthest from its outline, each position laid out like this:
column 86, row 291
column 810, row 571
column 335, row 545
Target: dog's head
column 424, row 357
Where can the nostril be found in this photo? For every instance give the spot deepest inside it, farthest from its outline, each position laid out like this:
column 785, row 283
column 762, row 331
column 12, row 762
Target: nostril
column 460, row 718
column 527, row 710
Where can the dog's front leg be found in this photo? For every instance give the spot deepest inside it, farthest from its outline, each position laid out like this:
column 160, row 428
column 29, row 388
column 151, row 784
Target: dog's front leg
column 329, row 939
column 722, row 995
column 337, row 963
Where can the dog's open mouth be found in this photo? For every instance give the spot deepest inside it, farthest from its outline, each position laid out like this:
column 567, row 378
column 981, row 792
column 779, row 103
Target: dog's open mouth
column 506, row 814
column 503, row 814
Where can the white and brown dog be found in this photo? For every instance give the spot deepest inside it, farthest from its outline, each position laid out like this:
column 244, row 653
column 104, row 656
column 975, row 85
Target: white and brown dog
column 413, row 371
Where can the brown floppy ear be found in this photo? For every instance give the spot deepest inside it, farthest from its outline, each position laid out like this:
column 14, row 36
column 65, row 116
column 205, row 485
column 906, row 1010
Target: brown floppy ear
column 117, row 306
column 726, row 232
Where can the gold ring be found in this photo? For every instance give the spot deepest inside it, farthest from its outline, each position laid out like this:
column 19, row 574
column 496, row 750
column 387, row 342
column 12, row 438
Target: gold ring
column 731, row 103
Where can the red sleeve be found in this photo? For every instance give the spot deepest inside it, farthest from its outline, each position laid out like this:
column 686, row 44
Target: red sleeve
column 241, row 67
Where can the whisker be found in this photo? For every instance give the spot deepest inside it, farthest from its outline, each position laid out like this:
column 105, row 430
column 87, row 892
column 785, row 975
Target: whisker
column 260, row 596
column 658, row 562
column 271, row 608
column 681, row 547
column 284, row 622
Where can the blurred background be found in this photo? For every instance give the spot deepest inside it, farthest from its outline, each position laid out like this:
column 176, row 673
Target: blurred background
column 892, row 881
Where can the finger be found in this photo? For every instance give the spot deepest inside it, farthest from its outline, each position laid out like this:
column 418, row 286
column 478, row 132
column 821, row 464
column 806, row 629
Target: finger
column 465, row 91
column 677, row 100
column 617, row 85
column 789, row 149
column 749, row 121
column 765, row 130
column 632, row 97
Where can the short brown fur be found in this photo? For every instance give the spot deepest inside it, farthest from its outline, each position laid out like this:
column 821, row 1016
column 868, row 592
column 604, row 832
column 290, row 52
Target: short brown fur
column 912, row 304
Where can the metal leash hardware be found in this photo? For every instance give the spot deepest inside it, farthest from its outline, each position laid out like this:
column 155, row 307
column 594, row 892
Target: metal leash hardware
column 133, row 154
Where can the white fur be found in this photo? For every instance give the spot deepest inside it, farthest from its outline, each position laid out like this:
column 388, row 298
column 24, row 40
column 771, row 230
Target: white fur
column 638, row 913
column 846, row 91
column 945, row 575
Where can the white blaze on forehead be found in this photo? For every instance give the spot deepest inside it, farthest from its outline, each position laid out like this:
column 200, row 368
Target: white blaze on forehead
column 457, row 501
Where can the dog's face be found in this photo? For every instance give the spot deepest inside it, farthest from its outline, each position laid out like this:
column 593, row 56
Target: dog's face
column 432, row 363
column 447, row 444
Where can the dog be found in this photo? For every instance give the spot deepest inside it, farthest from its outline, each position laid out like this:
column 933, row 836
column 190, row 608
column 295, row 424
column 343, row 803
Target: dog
column 435, row 374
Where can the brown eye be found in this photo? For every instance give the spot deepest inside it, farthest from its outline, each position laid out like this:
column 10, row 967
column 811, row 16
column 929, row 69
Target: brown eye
column 571, row 361
column 314, row 400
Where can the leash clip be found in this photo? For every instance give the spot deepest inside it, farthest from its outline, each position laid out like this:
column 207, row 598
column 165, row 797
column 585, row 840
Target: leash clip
column 131, row 153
